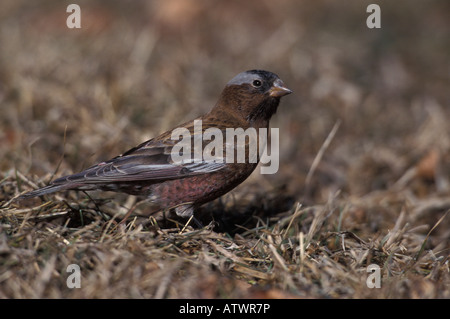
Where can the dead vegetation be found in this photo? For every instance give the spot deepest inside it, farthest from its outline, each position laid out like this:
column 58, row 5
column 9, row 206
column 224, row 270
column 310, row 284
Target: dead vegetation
column 364, row 150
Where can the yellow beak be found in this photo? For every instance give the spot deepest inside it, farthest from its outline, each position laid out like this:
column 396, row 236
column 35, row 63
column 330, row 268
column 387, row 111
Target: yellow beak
column 278, row 89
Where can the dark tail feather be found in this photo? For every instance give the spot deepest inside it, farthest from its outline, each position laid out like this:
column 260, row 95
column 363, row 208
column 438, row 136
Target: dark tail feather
column 44, row 190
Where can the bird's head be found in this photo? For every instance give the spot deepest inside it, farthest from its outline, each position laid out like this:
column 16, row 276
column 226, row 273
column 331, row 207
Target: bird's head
column 253, row 94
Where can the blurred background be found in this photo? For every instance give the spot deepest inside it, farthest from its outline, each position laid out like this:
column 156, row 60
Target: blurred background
column 364, row 147
column 138, row 68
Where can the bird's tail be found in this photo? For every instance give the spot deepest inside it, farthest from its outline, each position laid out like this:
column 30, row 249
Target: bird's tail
column 43, row 191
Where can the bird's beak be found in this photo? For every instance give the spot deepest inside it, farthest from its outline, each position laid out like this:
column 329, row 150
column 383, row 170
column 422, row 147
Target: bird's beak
column 278, row 89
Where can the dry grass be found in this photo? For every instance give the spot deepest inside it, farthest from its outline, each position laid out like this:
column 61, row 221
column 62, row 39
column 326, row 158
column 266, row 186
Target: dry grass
column 365, row 149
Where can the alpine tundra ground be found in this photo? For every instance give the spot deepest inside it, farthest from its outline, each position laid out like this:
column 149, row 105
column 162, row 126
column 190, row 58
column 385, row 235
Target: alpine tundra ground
column 362, row 194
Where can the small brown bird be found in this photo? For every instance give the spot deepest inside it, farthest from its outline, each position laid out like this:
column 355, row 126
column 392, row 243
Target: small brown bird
column 248, row 101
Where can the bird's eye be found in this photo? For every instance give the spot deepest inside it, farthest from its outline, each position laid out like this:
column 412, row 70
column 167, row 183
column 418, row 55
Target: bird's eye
column 257, row 83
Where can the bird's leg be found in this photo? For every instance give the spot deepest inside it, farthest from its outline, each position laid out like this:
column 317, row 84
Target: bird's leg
column 197, row 222
column 187, row 211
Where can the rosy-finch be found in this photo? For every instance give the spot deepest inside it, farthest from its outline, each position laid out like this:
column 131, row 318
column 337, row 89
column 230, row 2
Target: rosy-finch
column 248, row 101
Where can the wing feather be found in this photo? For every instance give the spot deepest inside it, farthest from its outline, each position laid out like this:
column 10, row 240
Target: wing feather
column 150, row 161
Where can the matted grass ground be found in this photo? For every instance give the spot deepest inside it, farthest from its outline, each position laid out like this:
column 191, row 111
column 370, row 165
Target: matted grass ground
column 364, row 173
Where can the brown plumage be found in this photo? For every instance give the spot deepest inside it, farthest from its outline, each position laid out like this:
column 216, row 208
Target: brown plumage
column 248, row 100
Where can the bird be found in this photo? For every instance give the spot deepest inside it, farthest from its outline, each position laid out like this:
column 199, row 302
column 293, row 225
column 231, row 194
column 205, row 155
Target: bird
column 249, row 100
